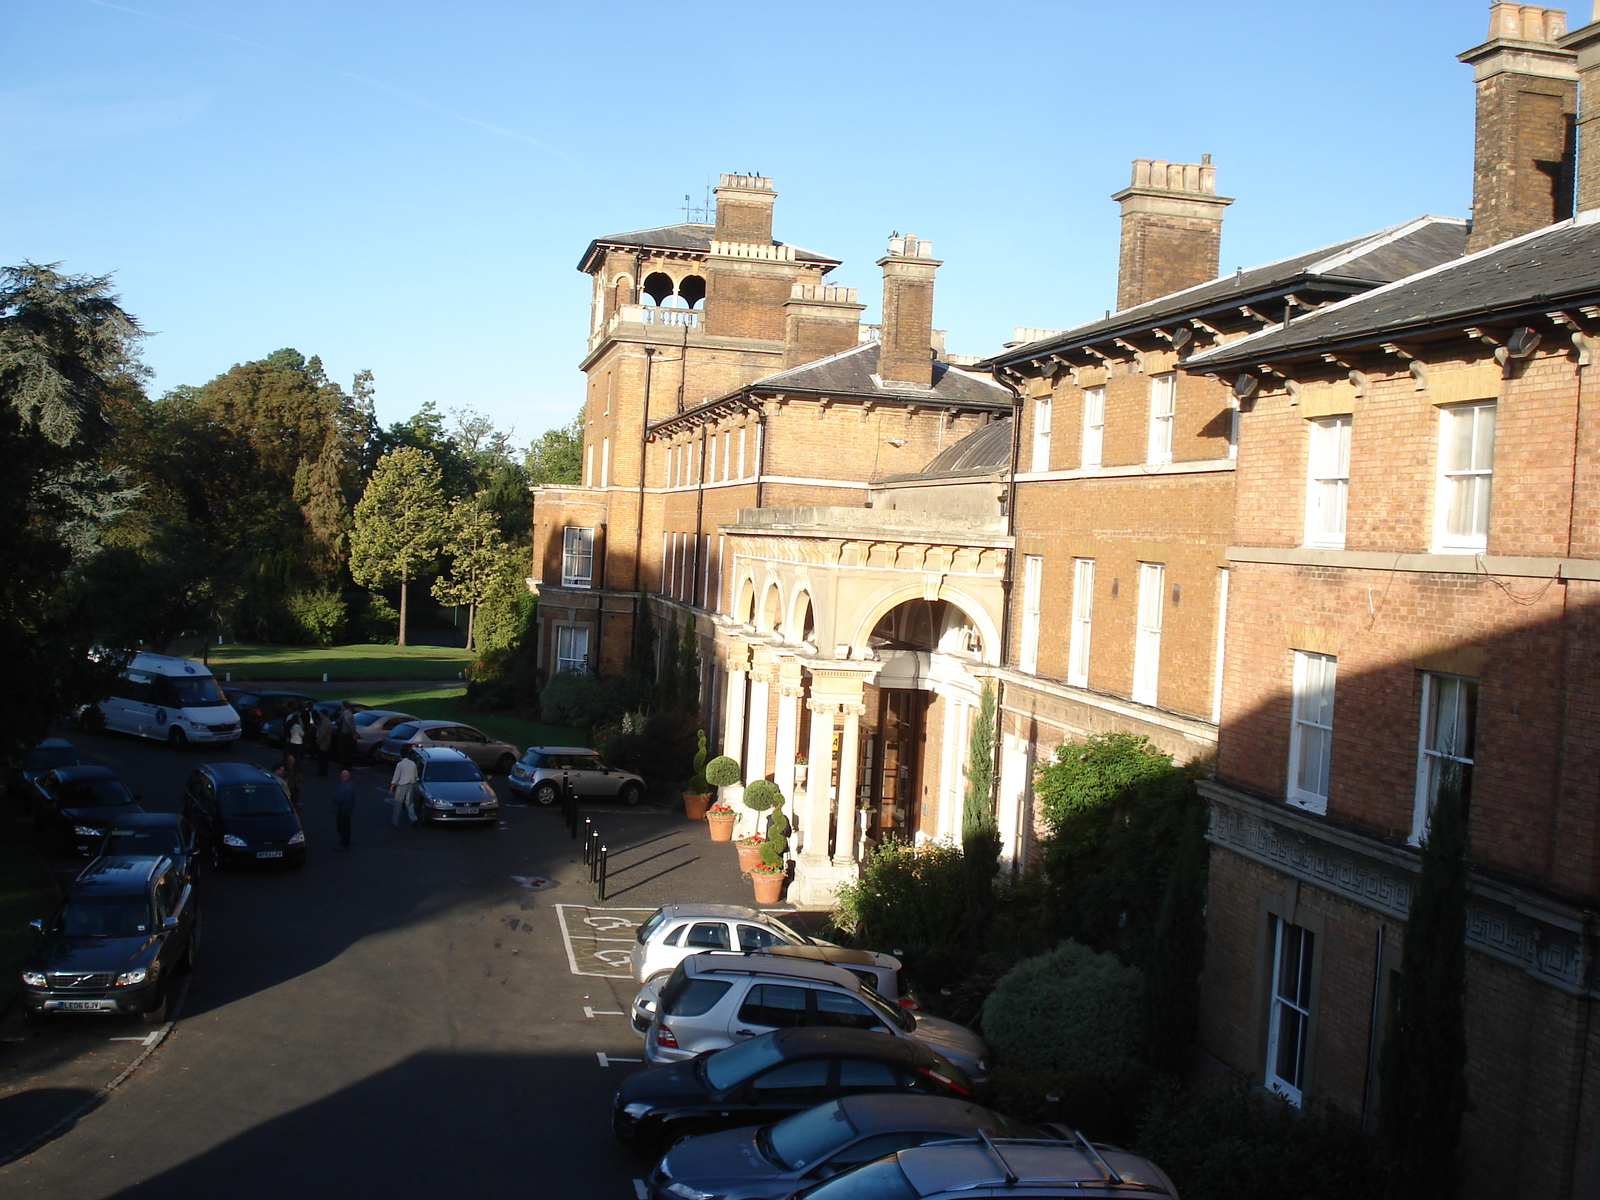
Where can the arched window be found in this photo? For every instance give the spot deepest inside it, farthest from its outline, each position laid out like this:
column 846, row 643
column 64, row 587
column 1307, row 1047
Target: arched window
column 693, row 290
column 658, row 287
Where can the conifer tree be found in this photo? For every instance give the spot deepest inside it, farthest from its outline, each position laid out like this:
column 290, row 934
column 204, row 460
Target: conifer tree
column 980, row 830
column 642, row 655
column 667, row 677
column 689, row 669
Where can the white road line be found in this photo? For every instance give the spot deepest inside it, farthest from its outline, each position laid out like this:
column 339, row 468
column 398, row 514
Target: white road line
column 607, row 1059
column 592, row 1013
column 148, row 1039
column 639, row 1189
column 566, row 938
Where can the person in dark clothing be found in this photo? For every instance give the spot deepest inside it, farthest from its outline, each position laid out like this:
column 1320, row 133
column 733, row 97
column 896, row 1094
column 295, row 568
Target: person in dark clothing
column 347, row 734
column 324, row 741
column 291, row 780
column 344, row 806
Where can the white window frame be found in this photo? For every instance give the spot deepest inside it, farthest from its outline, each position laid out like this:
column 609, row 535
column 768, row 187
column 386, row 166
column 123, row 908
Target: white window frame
column 1289, row 1008
column 1041, row 433
column 743, row 429
column 1311, row 730
column 1094, row 427
column 1032, row 592
column 1455, row 698
column 1474, row 479
column 1082, row 618
column 1163, row 415
column 588, row 465
column 570, row 640
column 1147, row 639
column 577, row 556
column 1327, row 480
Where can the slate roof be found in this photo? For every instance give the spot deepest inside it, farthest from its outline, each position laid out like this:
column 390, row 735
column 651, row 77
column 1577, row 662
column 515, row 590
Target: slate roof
column 693, row 237
column 855, row 371
column 1356, row 263
column 982, row 452
column 1554, row 267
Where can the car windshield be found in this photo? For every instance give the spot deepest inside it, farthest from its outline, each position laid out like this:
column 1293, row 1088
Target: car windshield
column 727, row 1067
column 809, row 1136
column 119, row 917
column 881, row 1180
column 404, row 732
column 197, row 691
column 893, row 1013
column 142, row 841
column 798, row 939
column 363, row 719
column 94, row 793
column 264, row 799
column 48, row 758
column 451, row 772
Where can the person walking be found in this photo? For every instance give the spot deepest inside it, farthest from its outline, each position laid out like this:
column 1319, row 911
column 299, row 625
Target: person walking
column 294, row 733
column 324, row 741
column 402, row 786
column 344, row 807
column 347, row 734
column 291, row 780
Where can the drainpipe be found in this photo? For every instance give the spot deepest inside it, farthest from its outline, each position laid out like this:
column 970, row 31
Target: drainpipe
column 761, row 450
column 1006, row 581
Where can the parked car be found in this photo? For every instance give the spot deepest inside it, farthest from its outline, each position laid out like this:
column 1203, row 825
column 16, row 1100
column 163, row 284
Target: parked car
column 1039, row 1170
column 714, row 1000
column 244, row 816
column 539, row 773
column 46, row 756
column 256, row 707
column 479, row 747
column 125, row 929
column 878, row 971
column 176, row 700
column 771, row 1077
column 450, row 788
column 154, row 835
column 773, row 1161
column 675, row 931
column 272, row 729
column 373, row 725
column 72, row 806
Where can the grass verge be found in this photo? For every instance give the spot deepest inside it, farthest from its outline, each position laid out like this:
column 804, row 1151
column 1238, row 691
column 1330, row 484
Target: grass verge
column 339, row 663
column 27, row 890
column 445, row 704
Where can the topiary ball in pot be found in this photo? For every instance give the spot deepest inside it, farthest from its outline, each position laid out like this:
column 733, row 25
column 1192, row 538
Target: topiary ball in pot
column 762, row 795
column 722, row 771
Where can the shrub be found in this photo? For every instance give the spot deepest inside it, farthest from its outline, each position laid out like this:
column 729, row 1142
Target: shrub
column 909, row 899
column 761, row 795
column 372, row 620
column 319, row 616
column 588, row 701
column 1070, row 1009
column 1243, row 1144
column 722, row 771
column 698, row 785
column 1077, row 791
column 659, row 747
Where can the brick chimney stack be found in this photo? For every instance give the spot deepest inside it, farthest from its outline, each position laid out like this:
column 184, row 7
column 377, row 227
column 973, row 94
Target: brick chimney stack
column 1585, row 43
column 744, row 209
column 1171, row 229
column 1527, row 83
column 819, row 320
column 906, row 353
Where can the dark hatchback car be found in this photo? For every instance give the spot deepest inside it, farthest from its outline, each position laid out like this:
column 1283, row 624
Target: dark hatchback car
column 46, row 756
column 257, row 708
column 73, row 806
column 244, row 816
column 771, row 1077
column 773, row 1161
column 155, row 835
column 127, row 927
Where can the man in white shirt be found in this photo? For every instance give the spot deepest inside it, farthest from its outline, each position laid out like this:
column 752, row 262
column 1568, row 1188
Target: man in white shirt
column 402, row 784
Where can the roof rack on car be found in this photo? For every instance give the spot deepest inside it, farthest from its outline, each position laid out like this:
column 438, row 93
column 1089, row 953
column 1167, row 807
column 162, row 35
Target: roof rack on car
column 1111, row 1175
column 1011, row 1176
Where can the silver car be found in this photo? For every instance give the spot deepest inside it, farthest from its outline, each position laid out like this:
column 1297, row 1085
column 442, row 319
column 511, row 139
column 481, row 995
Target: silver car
column 489, row 754
column 540, row 772
column 373, row 725
column 675, row 931
column 450, row 788
column 712, row 1001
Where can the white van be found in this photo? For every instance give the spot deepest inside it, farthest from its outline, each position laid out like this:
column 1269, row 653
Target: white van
column 158, row 696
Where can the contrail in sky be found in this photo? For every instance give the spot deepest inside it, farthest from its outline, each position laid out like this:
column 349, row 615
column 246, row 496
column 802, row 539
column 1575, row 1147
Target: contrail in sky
column 409, row 97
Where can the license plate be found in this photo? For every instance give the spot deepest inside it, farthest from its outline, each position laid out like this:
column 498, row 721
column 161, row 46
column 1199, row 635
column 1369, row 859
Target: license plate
column 467, row 812
column 269, row 853
column 83, row 1005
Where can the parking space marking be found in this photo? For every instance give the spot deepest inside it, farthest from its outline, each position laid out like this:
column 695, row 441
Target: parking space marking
column 592, row 1013
column 607, row 1059
column 590, row 937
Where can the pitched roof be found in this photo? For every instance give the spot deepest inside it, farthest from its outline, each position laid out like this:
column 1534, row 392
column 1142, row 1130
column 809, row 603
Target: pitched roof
column 856, row 371
column 1354, row 263
column 1548, row 268
column 693, row 237
column 984, row 451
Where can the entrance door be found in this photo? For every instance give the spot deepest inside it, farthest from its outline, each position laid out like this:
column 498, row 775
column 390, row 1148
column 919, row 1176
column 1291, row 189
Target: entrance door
column 900, row 726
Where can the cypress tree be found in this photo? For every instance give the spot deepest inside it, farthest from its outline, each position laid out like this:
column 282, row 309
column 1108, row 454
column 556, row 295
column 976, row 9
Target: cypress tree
column 689, row 669
column 980, row 830
column 1422, row 1070
column 667, row 678
column 1176, row 950
column 642, row 654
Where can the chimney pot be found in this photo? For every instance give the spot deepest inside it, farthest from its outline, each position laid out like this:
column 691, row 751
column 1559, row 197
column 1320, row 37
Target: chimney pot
column 1171, row 228
column 905, row 345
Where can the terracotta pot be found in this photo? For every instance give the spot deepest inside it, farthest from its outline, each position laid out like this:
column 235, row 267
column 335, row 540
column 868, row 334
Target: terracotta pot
column 768, row 887
column 721, row 826
column 749, row 857
column 694, row 807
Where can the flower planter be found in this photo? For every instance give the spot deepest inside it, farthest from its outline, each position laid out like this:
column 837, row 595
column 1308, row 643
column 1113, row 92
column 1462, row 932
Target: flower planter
column 694, row 806
column 719, row 822
column 768, row 886
column 749, row 856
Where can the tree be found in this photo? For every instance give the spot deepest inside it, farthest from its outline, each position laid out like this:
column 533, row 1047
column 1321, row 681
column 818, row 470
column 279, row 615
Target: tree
column 980, row 830
column 476, row 551
column 401, row 523
column 556, row 456
column 1422, row 1070
column 319, row 491
column 642, row 652
column 689, row 669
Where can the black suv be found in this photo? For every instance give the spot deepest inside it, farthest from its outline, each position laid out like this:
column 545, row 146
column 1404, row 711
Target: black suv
column 155, row 835
column 126, row 927
column 244, row 816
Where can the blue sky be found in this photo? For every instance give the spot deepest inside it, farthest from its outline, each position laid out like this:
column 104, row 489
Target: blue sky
column 407, row 187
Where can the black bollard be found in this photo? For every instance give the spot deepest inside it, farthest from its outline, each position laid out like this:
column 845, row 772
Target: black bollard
column 600, row 874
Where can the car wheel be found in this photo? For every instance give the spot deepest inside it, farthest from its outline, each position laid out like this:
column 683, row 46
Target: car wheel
column 631, row 794
column 503, row 767
column 177, row 739
column 158, row 1014
column 546, row 793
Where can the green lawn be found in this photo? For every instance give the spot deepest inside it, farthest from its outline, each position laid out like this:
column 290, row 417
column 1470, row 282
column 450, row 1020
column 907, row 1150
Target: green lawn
column 27, row 890
column 340, row 663
column 444, row 704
